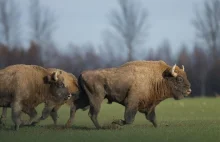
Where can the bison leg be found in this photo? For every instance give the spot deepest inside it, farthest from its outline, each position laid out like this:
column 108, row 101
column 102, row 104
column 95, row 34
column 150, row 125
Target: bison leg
column 72, row 115
column 32, row 114
column 54, row 114
column 93, row 114
column 130, row 112
column 151, row 116
column 3, row 116
column 129, row 115
column 16, row 114
column 45, row 113
column 95, row 105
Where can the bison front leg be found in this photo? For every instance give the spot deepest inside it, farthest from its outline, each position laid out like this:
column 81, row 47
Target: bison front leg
column 3, row 116
column 45, row 113
column 72, row 115
column 151, row 116
column 54, row 114
column 129, row 116
column 32, row 114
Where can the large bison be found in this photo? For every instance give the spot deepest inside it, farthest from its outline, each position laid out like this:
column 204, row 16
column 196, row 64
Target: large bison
column 138, row 85
column 70, row 82
column 23, row 87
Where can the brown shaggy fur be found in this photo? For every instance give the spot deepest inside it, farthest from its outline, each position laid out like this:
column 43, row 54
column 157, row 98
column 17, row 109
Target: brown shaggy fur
column 138, row 85
column 23, row 87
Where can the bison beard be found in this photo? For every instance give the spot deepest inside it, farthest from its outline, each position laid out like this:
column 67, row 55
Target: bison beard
column 138, row 85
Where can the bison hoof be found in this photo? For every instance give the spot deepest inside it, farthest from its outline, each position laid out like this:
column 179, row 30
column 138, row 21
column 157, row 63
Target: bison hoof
column 119, row 122
column 34, row 123
column 16, row 127
column 67, row 125
column 155, row 124
column 2, row 123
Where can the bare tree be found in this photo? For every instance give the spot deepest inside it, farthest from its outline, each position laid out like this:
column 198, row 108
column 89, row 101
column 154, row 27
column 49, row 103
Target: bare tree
column 42, row 26
column 207, row 25
column 10, row 14
column 42, row 22
column 129, row 25
column 200, row 62
column 164, row 52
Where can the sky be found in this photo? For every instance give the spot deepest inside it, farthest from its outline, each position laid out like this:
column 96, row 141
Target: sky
column 84, row 21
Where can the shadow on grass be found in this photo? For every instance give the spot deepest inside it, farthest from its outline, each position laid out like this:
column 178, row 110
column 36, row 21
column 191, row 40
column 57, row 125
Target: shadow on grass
column 62, row 127
column 58, row 127
column 162, row 124
column 79, row 127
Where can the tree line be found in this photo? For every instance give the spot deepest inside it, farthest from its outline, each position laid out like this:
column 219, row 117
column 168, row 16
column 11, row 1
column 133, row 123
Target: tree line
column 127, row 33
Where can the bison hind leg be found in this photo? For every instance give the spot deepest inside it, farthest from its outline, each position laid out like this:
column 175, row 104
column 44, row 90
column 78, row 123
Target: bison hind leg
column 16, row 114
column 93, row 114
column 3, row 116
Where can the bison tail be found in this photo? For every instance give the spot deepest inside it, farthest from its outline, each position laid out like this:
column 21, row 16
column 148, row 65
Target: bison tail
column 82, row 100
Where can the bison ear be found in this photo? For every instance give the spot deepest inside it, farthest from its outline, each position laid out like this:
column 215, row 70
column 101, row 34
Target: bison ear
column 167, row 73
column 51, row 78
column 47, row 79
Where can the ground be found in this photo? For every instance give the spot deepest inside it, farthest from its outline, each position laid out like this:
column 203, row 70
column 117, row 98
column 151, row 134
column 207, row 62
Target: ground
column 189, row 120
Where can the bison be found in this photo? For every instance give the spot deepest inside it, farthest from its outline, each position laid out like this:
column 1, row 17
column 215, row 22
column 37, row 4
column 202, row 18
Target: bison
column 23, row 87
column 70, row 81
column 137, row 85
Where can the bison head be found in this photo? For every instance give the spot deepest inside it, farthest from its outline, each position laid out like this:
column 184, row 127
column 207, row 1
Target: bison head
column 57, row 87
column 177, row 82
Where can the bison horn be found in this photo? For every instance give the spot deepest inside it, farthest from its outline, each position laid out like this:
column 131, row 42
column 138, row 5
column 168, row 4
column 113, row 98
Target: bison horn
column 55, row 76
column 183, row 67
column 174, row 74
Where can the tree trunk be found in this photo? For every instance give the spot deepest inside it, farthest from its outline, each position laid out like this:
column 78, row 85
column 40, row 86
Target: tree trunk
column 130, row 53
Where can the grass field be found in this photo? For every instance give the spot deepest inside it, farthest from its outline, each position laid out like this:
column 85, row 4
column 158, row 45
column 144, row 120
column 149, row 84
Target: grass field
column 187, row 120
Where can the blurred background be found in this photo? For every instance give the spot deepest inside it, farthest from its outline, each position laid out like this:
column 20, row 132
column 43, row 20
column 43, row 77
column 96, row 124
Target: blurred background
column 78, row 35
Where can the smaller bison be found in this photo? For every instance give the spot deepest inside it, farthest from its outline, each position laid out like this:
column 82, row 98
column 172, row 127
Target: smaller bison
column 23, row 87
column 70, row 82
column 138, row 85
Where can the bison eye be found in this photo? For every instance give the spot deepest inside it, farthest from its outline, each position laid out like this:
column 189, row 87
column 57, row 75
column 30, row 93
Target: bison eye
column 61, row 85
column 179, row 79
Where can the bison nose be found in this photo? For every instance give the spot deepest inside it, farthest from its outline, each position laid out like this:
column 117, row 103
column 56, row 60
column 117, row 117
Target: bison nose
column 189, row 91
column 69, row 96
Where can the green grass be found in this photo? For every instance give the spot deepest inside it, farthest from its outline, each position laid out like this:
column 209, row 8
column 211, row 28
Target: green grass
column 187, row 120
